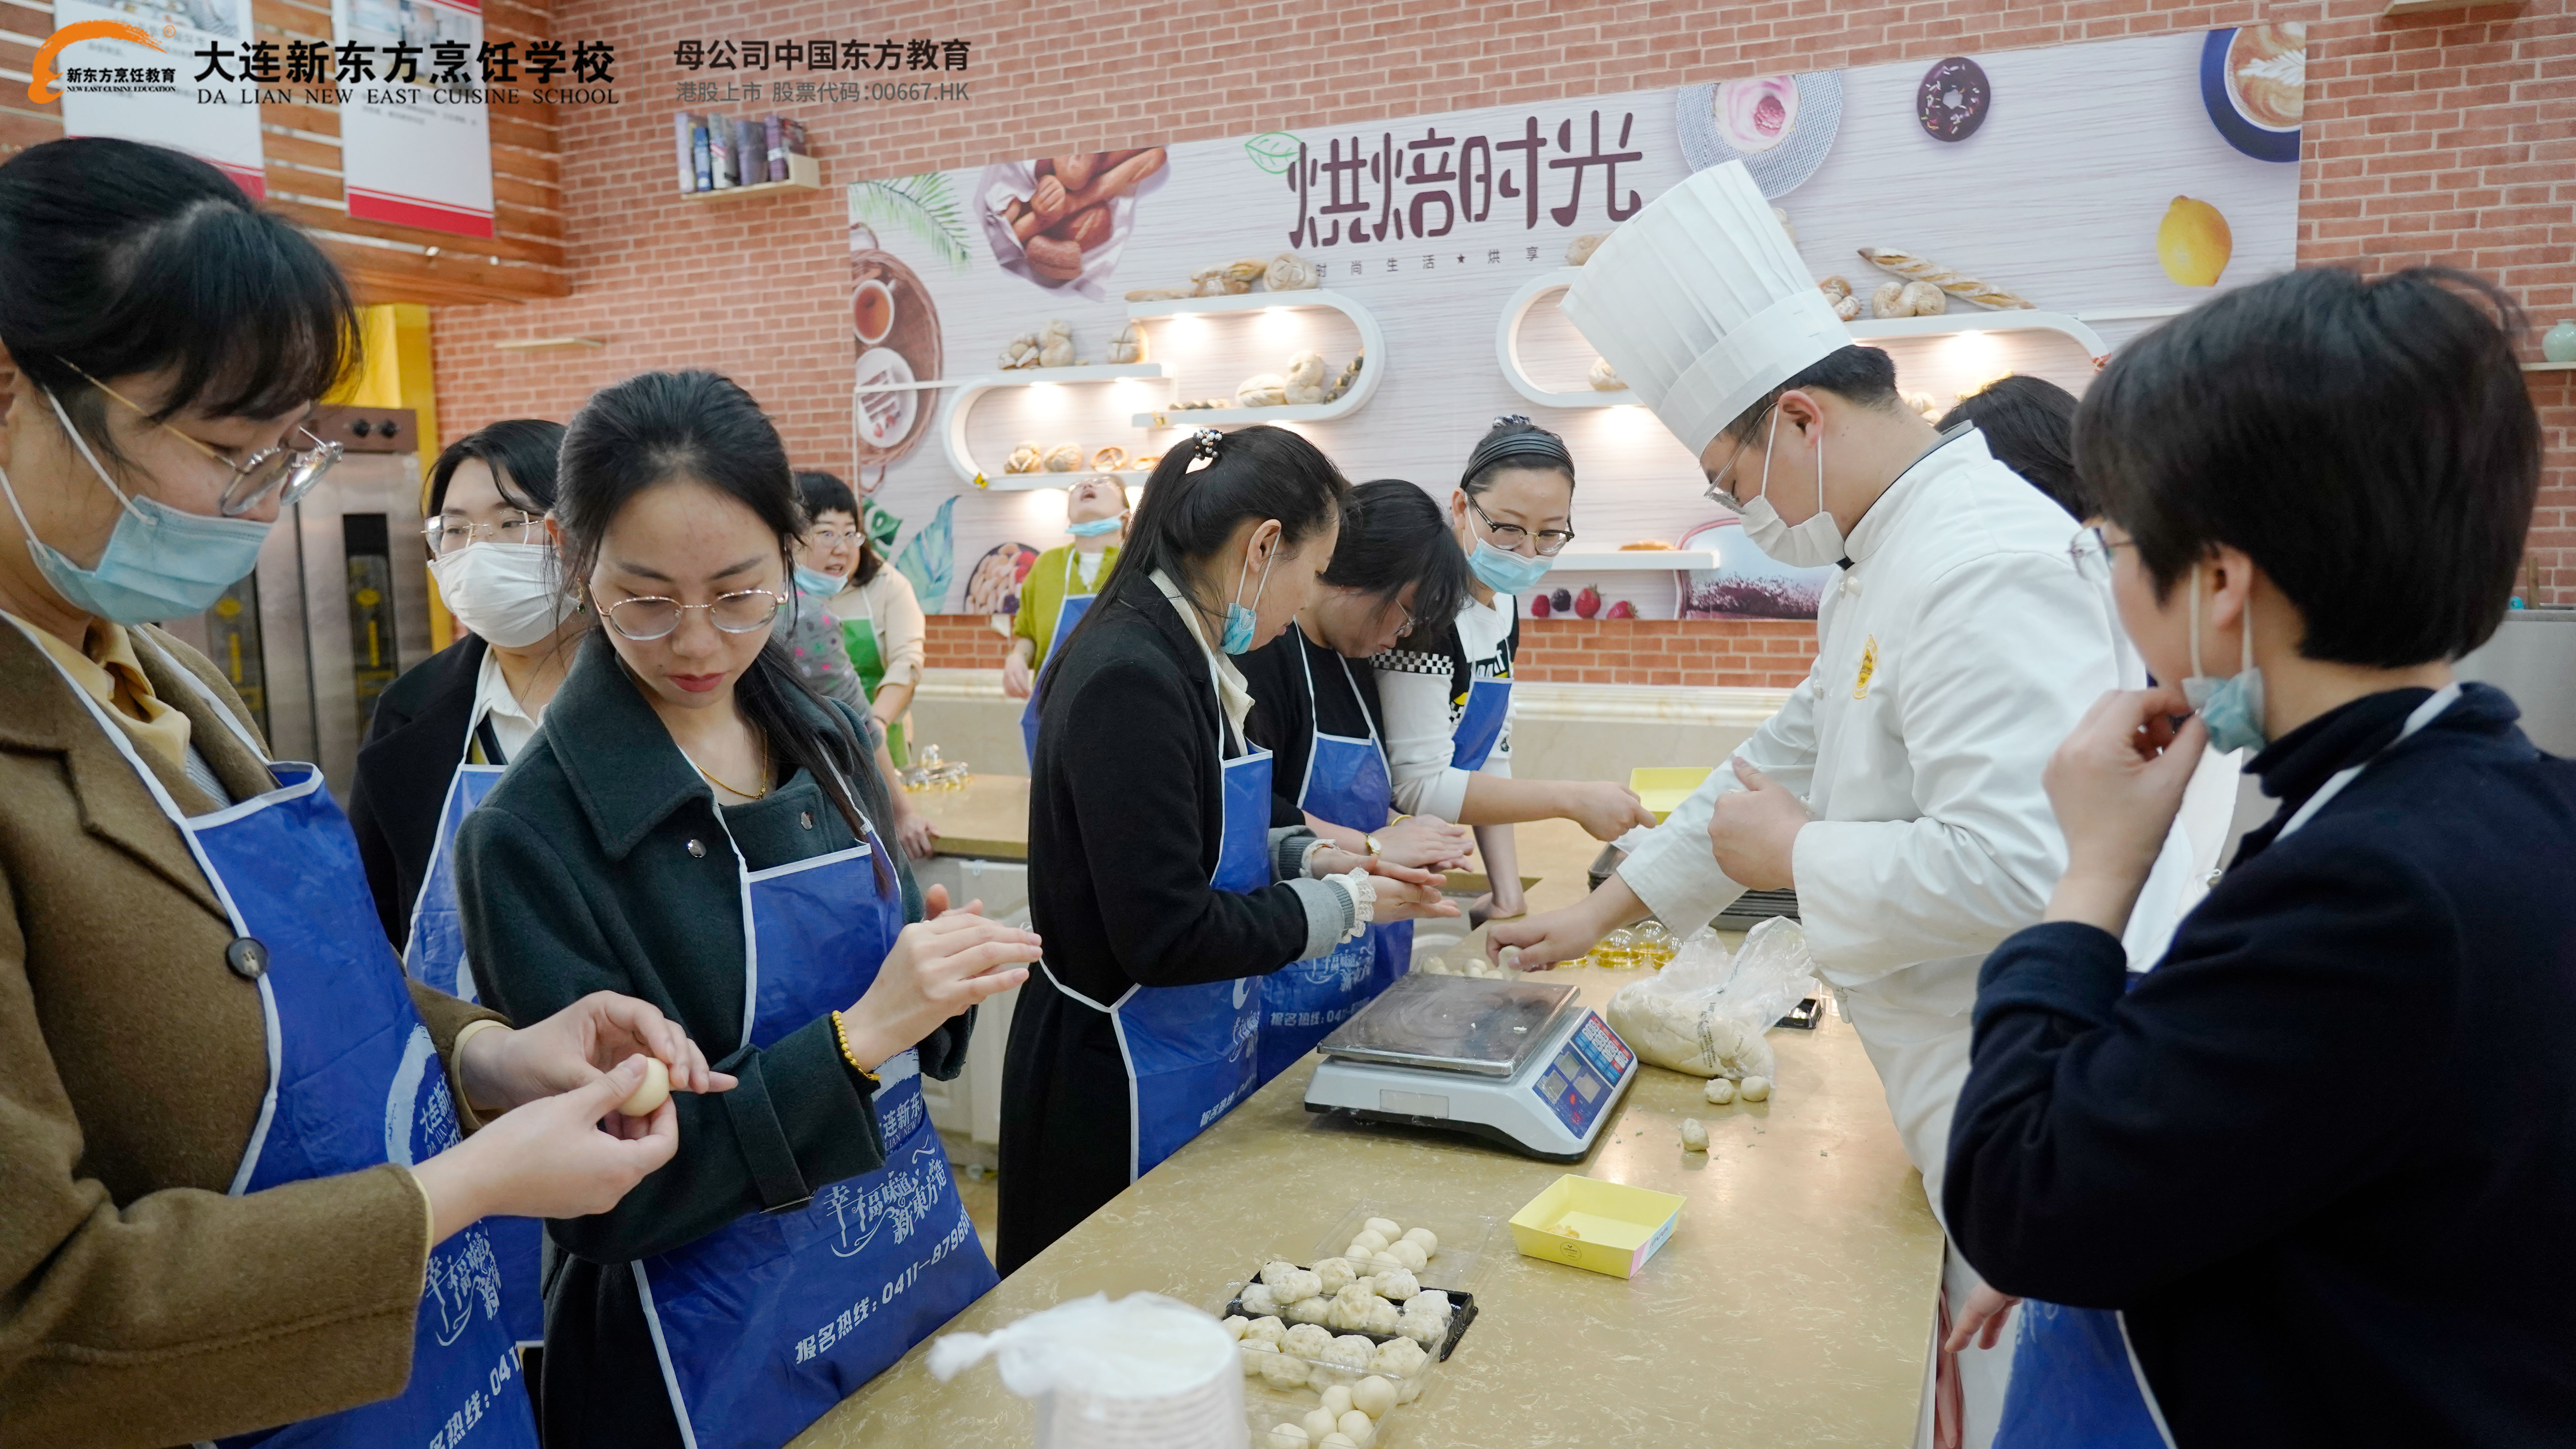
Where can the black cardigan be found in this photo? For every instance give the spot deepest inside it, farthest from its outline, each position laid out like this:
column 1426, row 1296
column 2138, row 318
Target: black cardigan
column 412, row 749
column 2324, row 1154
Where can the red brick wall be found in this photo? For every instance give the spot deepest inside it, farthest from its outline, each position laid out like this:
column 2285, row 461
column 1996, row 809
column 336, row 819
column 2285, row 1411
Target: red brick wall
column 2448, row 136
column 1763, row 653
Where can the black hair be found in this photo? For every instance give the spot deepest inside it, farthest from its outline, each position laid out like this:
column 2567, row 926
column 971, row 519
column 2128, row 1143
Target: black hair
column 2029, row 425
column 521, row 452
column 1394, row 535
column 2369, row 442
column 1189, row 511
column 119, row 258
column 1865, row 376
column 823, row 492
column 1514, row 442
column 663, row 427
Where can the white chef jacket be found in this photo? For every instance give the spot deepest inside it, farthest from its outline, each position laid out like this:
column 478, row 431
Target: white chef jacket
column 1959, row 649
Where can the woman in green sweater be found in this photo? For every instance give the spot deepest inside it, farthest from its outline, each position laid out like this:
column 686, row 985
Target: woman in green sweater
column 697, row 827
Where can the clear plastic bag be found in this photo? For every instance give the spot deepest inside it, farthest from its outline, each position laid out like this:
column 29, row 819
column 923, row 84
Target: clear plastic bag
column 1706, row 1013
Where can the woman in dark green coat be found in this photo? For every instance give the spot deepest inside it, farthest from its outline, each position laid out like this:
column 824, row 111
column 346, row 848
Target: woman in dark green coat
column 696, row 827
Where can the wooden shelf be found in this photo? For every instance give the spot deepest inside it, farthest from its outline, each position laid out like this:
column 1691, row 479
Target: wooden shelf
column 1507, row 348
column 1284, row 413
column 1952, row 324
column 1032, row 482
column 953, row 436
column 1372, row 350
column 804, row 173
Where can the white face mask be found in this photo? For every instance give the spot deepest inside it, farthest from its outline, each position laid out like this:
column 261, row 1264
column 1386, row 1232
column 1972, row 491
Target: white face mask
column 1812, row 544
column 504, row 592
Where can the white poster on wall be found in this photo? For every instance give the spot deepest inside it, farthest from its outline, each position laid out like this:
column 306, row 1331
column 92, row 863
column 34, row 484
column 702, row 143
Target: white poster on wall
column 113, row 85
column 415, row 137
column 2096, row 189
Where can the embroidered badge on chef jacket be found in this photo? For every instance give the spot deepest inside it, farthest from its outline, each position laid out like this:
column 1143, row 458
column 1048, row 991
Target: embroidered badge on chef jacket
column 1868, row 667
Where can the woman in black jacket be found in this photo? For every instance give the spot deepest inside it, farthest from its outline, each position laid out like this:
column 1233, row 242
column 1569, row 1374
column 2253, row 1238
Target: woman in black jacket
column 2322, row 1158
column 1154, row 864
column 697, row 828
column 448, row 725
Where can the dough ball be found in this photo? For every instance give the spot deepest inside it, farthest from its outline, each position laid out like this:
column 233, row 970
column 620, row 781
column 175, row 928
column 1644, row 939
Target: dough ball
column 1335, row 1441
column 1399, row 1358
column 1350, row 1353
column 1297, row 1283
column 1337, row 1400
column 1259, row 1301
column 1273, row 1272
column 1264, row 1330
column 1397, row 1284
column 1424, row 1238
column 1376, row 1240
column 1306, row 1340
column 1755, row 1089
column 1385, row 1228
column 651, row 1093
column 1384, row 1261
column 1431, row 1301
column 1359, row 1429
column 1408, row 1390
column 1409, row 1253
column 1282, row 1372
column 1341, row 1316
column 1351, row 1343
column 1373, row 1396
column 1322, row 1377
column 1289, row 1436
column 1719, row 1090
column 1419, row 1328
column 1235, row 1326
column 1382, row 1319
column 1335, row 1274
column 1310, row 1310
column 1357, row 1254
column 1253, row 1352
column 1320, row 1422
column 1694, row 1135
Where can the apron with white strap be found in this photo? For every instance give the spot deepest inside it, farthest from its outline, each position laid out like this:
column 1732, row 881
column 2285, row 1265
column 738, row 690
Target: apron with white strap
column 1347, row 784
column 1191, row 1052
column 2076, row 1382
column 353, row 1083
column 764, row 1324
column 434, row 955
column 1480, row 724
column 1068, row 614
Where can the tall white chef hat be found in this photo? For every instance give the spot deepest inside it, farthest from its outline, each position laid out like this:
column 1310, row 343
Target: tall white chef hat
column 1701, row 304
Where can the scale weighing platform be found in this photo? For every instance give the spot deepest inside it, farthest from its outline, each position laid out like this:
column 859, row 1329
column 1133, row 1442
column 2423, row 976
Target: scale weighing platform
column 1518, row 1062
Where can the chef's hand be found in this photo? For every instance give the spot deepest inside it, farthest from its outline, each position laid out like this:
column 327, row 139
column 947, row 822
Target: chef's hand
column 938, row 968
column 1017, row 681
column 550, row 1158
column 501, row 1069
column 912, row 829
column 2116, row 784
column 1980, row 1319
column 1562, row 935
column 1604, row 810
column 1754, row 831
column 1423, row 840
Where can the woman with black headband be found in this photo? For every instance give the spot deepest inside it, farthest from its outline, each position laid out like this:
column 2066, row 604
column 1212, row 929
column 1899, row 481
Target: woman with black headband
column 1447, row 691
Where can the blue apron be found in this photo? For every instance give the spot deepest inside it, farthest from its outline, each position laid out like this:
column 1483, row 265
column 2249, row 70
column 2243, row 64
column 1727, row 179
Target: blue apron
column 353, row 1083
column 1346, row 783
column 435, row 957
column 2074, row 1381
column 1075, row 606
column 764, row 1324
column 1480, row 725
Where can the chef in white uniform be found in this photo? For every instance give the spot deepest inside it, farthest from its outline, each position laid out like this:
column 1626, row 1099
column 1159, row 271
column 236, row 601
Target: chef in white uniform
column 1898, row 790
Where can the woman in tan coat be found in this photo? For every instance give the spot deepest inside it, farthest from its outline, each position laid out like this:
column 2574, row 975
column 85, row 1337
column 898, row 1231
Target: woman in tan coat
column 232, row 1191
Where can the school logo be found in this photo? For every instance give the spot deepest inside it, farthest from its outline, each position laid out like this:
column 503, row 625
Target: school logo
column 1868, row 667
column 45, row 81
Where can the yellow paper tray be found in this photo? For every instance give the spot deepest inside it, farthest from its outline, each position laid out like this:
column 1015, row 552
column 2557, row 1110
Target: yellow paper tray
column 1619, row 1227
column 1663, row 787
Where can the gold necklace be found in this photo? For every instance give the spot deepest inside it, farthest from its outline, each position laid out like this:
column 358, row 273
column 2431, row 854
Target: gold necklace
column 721, row 785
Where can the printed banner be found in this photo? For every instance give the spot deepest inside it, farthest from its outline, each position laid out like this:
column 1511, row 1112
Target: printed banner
column 415, row 136
column 116, row 85
column 2106, row 185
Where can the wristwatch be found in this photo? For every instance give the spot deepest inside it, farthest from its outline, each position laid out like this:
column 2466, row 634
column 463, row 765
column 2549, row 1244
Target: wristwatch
column 1374, row 849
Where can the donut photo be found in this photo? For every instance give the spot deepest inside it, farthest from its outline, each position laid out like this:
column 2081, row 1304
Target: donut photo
column 1952, row 100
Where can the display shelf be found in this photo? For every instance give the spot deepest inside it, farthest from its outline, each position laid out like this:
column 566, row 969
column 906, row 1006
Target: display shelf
column 1633, row 560
column 1954, row 324
column 1372, row 348
column 2549, row 367
column 1507, row 348
column 953, row 437
column 804, row 173
column 1031, row 482
column 547, row 344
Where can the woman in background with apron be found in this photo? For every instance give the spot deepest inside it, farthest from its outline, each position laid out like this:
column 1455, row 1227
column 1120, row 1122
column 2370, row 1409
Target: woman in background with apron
column 883, row 629
column 1448, row 690
column 1161, row 868
column 831, row 548
column 238, row 1207
column 1318, row 716
column 1059, row 590
column 696, row 826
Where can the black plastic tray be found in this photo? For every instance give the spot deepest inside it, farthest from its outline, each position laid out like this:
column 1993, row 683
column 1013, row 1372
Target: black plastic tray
column 1462, row 1311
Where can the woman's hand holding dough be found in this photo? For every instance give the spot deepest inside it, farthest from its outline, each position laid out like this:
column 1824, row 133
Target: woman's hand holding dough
column 1425, row 841
column 501, row 1069
column 564, row 1156
column 938, row 968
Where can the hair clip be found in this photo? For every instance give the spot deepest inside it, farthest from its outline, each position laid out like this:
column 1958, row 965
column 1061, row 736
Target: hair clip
column 1514, row 420
column 1203, row 442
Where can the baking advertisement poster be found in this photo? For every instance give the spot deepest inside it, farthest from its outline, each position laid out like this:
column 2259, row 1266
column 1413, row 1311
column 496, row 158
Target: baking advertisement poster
column 1389, row 288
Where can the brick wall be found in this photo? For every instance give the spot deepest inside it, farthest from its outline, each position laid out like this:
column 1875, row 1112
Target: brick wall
column 2448, row 136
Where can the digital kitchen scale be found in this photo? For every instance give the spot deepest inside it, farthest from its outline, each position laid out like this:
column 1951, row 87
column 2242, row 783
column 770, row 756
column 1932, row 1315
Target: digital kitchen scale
column 1518, row 1062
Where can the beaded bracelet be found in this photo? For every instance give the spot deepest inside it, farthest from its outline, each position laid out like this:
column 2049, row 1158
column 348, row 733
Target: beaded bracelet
column 841, row 1030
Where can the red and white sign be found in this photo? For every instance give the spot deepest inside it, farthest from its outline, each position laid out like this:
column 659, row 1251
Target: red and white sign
column 415, row 150
column 224, row 133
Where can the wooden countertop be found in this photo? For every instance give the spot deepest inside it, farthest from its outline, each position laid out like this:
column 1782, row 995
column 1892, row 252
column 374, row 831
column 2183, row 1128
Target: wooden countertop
column 986, row 818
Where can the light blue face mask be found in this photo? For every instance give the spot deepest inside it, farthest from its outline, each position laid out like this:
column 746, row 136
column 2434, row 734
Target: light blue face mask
column 160, row 563
column 1238, row 618
column 1094, row 528
column 814, row 581
column 2231, row 708
column 1504, row 571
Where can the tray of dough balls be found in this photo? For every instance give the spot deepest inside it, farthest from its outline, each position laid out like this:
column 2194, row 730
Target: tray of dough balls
column 1335, row 1344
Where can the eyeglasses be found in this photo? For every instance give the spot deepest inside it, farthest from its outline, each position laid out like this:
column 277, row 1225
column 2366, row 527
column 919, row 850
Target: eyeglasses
column 1717, row 492
column 288, row 475
column 832, row 537
column 650, row 617
column 2092, row 553
column 1509, row 535
column 452, row 532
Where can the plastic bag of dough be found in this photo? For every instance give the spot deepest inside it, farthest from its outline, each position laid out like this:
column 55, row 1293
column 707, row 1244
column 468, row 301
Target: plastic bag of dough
column 1705, row 1014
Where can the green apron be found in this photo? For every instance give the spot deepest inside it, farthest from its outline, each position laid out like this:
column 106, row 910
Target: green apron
column 859, row 637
